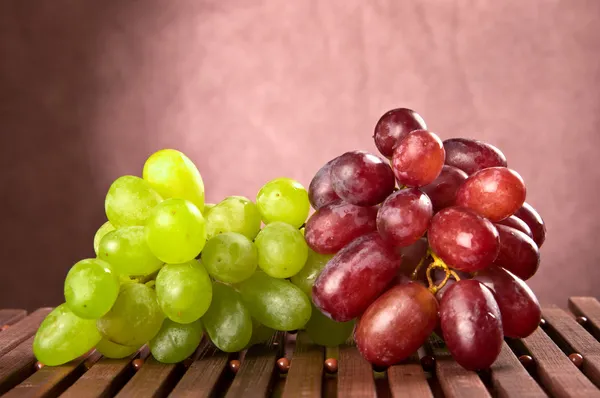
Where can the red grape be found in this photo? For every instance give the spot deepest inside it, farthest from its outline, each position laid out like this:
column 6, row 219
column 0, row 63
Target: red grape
column 471, row 324
column 412, row 256
column 418, row 158
column 495, row 193
column 463, row 239
column 518, row 252
column 534, row 221
column 355, row 277
column 471, row 155
column 335, row 225
column 361, row 178
column 517, row 223
column 320, row 190
column 396, row 324
column 394, row 125
column 404, row 217
column 442, row 191
column 521, row 313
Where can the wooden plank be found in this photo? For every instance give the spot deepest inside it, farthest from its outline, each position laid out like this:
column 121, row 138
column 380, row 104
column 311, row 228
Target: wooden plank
column 17, row 365
column 510, row 379
column 20, row 331
column 8, row 317
column 305, row 376
column 355, row 374
column 154, row 379
column 408, row 380
column 588, row 307
column 556, row 372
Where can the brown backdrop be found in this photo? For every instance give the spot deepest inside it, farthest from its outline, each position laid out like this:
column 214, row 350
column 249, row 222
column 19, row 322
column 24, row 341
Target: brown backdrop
column 252, row 90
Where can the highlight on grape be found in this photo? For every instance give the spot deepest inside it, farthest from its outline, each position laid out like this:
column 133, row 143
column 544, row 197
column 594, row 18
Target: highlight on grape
column 433, row 238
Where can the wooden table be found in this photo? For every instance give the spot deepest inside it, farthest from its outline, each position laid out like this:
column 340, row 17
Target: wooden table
column 554, row 368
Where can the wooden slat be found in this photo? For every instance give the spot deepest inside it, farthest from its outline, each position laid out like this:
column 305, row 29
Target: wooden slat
column 556, row 372
column 305, row 376
column 355, row 374
column 16, row 365
column 8, row 317
column 590, row 308
column 154, row 379
column 408, row 380
column 21, row 330
column 510, row 379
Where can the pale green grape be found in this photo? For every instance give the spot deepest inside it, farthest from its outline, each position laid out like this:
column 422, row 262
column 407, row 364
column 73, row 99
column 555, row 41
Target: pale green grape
column 63, row 336
column 114, row 350
column 275, row 303
column 91, row 288
column 125, row 249
column 227, row 321
column 230, row 257
column 327, row 332
column 103, row 230
column 135, row 318
column 129, row 201
column 175, row 342
column 305, row 279
column 176, row 231
column 174, row 175
column 260, row 333
column 283, row 199
column 184, row 291
column 282, row 250
column 233, row 214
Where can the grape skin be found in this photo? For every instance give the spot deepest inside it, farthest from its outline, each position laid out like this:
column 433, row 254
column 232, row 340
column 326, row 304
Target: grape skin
column 535, row 222
column 103, row 230
column 418, row 158
column 442, row 191
column 125, row 249
column 282, row 251
column 472, row 155
column 129, row 201
column 230, row 257
column 305, row 279
column 175, row 342
column 284, row 200
column 393, row 126
column 233, row 214
column 320, row 190
column 327, row 332
column 517, row 223
column 518, row 252
column 112, row 350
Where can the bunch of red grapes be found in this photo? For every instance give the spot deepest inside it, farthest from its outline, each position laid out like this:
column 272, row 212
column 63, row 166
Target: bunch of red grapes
column 446, row 252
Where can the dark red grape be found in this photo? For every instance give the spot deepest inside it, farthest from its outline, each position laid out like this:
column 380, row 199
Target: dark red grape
column 412, row 256
column 320, row 190
column 355, row 277
column 518, row 252
column 442, row 191
column 471, row 156
column 404, row 217
column 335, row 225
column 418, row 158
column 521, row 313
column 495, row 193
column 438, row 276
column 361, row 178
column 394, row 125
column 517, row 223
column 463, row 239
column 396, row 324
column 471, row 324
column 532, row 218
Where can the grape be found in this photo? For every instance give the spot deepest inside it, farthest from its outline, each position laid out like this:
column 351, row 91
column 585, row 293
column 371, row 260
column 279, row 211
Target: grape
column 495, row 193
column 335, row 225
column 354, row 277
column 176, row 231
column 471, row 155
column 275, row 303
column 305, row 279
column 233, row 214
column 396, row 324
column 412, row 256
column 227, row 321
column 174, row 175
column 230, row 257
column 520, row 309
column 103, row 230
column 393, row 126
column 471, row 324
column 517, row 223
column 442, row 191
column 361, row 178
column 134, row 319
column 113, row 350
column 260, row 333
column 91, row 288
column 125, row 249
column 418, row 158
column 518, row 252
column 463, row 239
column 320, row 190
column 184, row 291
column 63, row 336
column 207, row 207
column 327, row 332
column 129, row 201
column 175, row 342
column 285, row 200
column 535, row 222
column 404, row 217
column 282, row 251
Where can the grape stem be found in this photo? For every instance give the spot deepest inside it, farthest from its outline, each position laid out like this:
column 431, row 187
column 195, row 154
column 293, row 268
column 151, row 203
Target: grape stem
column 437, row 263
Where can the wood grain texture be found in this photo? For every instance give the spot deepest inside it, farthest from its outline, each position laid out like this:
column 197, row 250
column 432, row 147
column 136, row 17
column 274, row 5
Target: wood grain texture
column 154, row 379
column 510, row 379
column 408, row 380
column 590, row 308
column 16, row 365
column 355, row 374
column 8, row 317
column 305, row 377
column 22, row 330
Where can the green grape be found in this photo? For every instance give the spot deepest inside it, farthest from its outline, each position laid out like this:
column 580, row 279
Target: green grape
column 184, row 291
column 63, row 336
column 91, row 288
column 135, row 318
column 126, row 250
column 114, row 350
column 260, row 333
column 282, row 250
column 129, row 201
column 230, row 257
column 275, row 303
column 103, row 230
column 174, row 175
column 233, row 214
column 176, row 231
column 283, row 199
column 305, row 279
column 207, row 207
column 175, row 342
column 227, row 321
column 327, row 332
